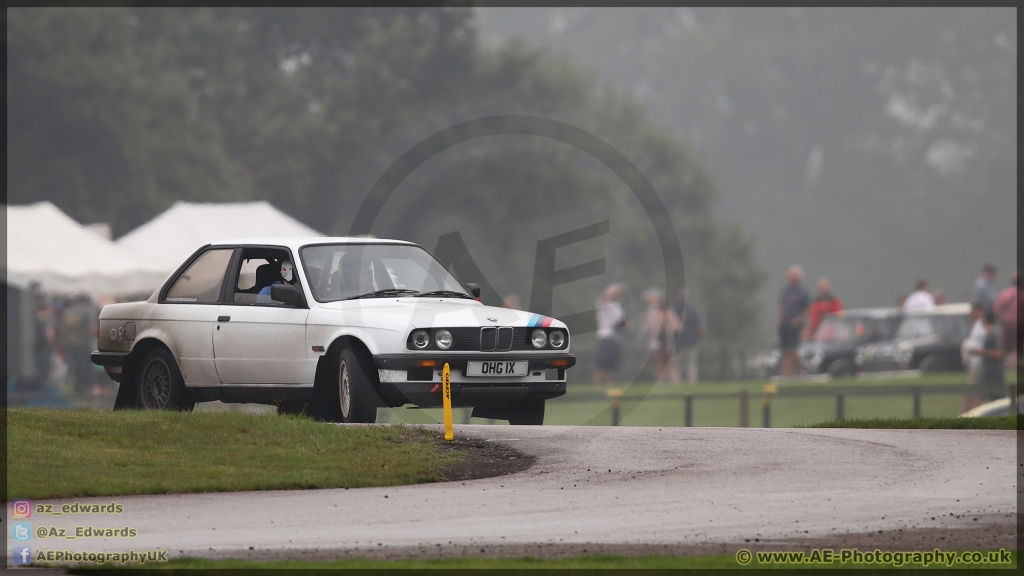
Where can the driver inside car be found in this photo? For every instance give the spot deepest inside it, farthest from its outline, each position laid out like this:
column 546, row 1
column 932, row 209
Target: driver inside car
column 287, row 275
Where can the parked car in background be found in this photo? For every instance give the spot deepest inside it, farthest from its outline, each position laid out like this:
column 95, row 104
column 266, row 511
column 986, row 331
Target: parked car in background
column 331, row 327
column 832, row 348
column 1001, row 407
column 927, row 340
column 834, row 344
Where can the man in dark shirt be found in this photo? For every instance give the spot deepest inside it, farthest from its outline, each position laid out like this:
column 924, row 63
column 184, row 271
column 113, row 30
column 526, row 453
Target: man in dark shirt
column 694, row 327
column 794, row 304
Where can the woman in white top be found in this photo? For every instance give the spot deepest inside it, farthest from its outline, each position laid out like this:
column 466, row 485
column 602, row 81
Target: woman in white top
column 611, row 318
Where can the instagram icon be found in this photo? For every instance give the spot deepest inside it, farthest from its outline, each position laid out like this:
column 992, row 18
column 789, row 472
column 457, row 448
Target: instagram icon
column 21, row 509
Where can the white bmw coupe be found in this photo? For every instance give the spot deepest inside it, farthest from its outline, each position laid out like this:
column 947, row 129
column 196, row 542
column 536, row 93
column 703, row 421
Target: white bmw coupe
column 330, row 327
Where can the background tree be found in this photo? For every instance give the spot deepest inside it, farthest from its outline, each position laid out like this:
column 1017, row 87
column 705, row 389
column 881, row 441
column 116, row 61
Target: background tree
column 114, row 114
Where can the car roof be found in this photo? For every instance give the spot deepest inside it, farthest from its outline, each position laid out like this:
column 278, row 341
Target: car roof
column 958, row 308
column 296, row 242
column 866, row 312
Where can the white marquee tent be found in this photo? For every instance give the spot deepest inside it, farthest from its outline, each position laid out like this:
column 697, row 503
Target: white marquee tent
column 45, row 245
column 185, row 226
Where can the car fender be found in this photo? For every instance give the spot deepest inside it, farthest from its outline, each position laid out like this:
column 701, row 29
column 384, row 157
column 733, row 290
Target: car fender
column 159, row 335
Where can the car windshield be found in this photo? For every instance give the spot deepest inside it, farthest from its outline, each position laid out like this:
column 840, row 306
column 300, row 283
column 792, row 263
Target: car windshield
column 918, row 326
column 839, row 329
column 341, row 271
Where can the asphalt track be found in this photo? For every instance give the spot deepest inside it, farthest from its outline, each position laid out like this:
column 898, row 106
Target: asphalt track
column 605, row 488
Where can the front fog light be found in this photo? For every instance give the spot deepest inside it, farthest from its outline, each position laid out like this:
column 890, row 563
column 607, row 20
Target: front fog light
column 539, row 338
column 443, row 339
column 557, row 339
column 420, row 339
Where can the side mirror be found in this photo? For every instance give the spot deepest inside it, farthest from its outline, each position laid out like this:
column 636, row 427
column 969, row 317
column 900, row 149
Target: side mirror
column 286, row 293
column 474, row 289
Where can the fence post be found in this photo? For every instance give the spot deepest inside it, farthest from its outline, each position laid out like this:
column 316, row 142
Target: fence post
column 917, row 402
column 466, row 414
column 744, row 409
column 766, row 414
column 840, row 409
column 688, row 411
column 1011, row 395
column 615, row 394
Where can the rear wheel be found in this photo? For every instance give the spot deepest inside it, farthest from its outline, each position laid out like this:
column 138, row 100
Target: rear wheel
column 843, row 368
column 160, row 384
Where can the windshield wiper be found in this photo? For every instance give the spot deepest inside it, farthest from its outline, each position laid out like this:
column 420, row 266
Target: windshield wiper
column 385, row 292
column 445, row 293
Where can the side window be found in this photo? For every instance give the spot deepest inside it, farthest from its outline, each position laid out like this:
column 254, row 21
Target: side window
column 259, row 268
column 201, row 282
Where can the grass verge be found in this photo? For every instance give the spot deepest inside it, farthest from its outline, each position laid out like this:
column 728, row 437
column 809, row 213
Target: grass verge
column 67, row 453
column 989, row 423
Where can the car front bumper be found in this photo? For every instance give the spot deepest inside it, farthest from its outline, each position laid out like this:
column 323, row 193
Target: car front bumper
column 405, row 380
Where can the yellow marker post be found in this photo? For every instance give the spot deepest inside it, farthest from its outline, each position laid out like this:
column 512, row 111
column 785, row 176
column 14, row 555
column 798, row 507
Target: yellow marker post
column 446, row 392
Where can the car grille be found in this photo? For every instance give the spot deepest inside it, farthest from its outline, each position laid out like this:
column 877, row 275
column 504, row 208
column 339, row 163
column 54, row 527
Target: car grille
column 487, row 339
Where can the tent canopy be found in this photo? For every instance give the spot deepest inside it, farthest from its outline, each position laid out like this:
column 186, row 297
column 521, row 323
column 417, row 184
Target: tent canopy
column 45, row 245
column 185, row 226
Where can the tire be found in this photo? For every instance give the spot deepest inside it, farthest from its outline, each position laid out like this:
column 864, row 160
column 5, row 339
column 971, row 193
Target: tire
column 160, row 385
column 931, row 364
column 527, row 412
column 842, row 368
column 356, row 396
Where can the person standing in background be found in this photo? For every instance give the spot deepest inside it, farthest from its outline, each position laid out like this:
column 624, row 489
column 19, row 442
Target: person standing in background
column 993, row 379
column 1006, row 309
column 662, row 327
column 693, row 328
column 79, row 337
column 44, row 339
column 611, row 320
column 794, row 304
column 984, row 290
column 972, row 362
column 824, row 303
column 920, row 298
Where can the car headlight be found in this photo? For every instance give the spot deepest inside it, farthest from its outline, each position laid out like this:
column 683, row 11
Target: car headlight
column 443, row 339
column 421, row 339
column 557, row 338
column 904, row 354
column 539, row 338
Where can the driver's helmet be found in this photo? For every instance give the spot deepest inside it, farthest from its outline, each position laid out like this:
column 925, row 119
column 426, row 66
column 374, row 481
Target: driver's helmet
column 287, row 271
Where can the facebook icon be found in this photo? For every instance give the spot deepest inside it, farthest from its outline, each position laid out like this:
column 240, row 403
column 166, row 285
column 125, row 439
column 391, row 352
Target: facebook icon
column 21, row 555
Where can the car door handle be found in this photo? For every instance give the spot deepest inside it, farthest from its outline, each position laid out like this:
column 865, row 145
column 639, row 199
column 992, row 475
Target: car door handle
column 223, row 318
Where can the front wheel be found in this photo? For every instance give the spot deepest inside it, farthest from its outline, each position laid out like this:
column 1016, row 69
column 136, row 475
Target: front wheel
column 355, row 392
column 161, row 386
column 932, row 363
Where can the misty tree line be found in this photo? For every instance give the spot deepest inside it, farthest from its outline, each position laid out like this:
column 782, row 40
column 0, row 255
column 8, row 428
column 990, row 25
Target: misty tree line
column 114, row 114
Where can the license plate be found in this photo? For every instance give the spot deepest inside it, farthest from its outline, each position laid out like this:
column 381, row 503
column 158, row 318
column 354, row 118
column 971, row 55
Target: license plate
column 498, row 368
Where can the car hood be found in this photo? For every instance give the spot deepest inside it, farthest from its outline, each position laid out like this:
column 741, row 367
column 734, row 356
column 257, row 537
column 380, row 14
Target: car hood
column 442, row 312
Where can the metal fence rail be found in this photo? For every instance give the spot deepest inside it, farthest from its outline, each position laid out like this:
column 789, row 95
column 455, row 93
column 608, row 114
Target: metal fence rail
column 773, row 392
